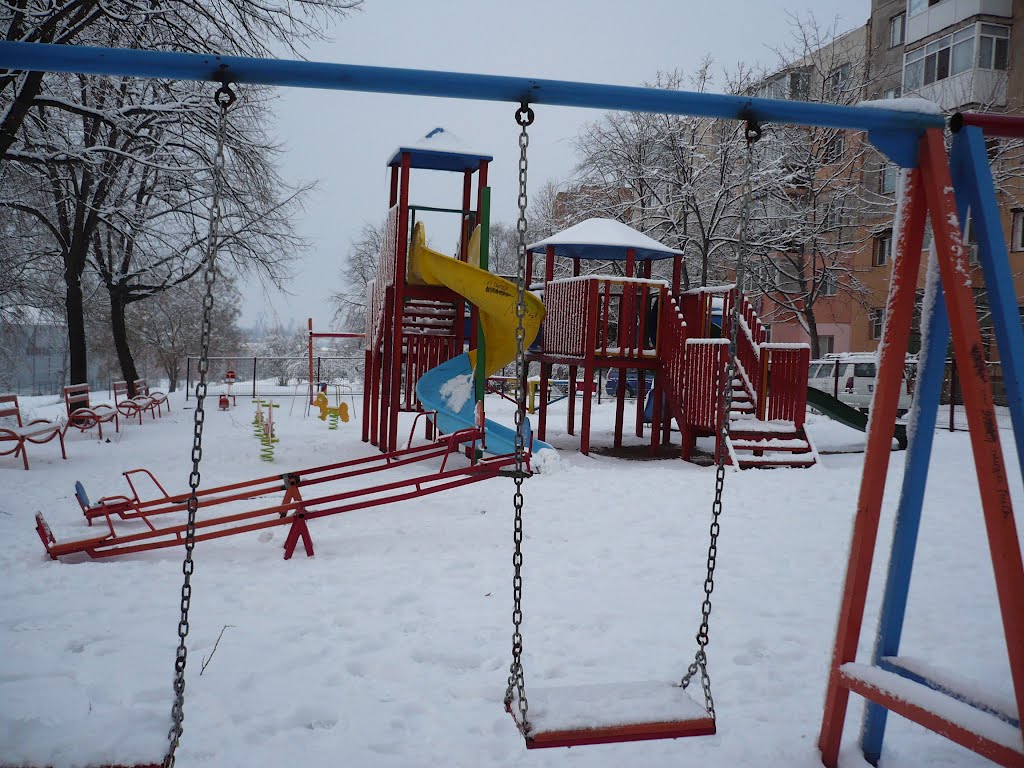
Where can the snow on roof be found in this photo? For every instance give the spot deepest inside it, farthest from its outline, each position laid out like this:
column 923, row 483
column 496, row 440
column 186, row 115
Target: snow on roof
column 904, row 104
column 604, row 239
column 440, row 150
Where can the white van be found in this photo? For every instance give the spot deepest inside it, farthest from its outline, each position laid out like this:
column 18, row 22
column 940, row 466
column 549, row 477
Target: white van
column 851, row 377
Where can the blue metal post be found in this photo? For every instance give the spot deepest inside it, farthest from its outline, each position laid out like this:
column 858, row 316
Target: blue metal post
column 972, row 180
column 894, row 132
column 921, row 432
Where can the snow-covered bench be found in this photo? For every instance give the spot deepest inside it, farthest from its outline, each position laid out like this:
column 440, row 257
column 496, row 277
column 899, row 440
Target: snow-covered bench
column 36, row 431
column 129, row 406
column 84, row 416
column 160, row 398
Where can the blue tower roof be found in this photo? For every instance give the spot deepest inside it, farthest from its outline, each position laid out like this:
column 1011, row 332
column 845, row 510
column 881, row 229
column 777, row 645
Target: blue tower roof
column 440, row 150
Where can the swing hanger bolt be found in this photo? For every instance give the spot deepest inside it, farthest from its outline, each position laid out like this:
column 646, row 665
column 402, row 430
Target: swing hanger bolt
column 224, row 97
column 524, row 115
column 753, row 130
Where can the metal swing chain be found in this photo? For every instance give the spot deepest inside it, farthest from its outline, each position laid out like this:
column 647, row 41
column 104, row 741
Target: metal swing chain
column 752, row 133
column 224, row 98
column 516, row 678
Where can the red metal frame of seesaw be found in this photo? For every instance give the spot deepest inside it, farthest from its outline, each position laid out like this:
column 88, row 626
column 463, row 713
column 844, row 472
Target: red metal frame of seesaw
column 293, row 509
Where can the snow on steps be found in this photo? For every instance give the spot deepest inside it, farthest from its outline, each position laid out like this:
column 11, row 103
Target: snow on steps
column 763, row 444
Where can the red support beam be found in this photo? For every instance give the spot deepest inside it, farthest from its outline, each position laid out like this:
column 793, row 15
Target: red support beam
column 1005, row 126
column 391, row 442
column 549, row 264
column 989, row 462
column 893, row 350
column 677, row 274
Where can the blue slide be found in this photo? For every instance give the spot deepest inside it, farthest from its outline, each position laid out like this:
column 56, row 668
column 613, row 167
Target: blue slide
column 455, row 408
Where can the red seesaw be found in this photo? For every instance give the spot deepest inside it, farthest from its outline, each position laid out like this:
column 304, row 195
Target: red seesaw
column 293, row 510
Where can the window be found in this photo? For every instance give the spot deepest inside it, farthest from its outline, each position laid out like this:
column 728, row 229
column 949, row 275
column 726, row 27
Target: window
column 826, row 344
column 993, row 46
column 834, row 217
column 897, row 29
column 920, row 6
column 800, row 86
column 887, row 178
column 963, row 50
column 891, row 93
column 838, row 79
column 829, row 284
column 877, row 319
column 834, row 148
column 864, row 370
column 1017, row 231
column 882, row 249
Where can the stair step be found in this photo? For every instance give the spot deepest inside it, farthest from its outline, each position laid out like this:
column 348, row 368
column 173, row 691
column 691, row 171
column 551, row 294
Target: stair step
column 763, row 462
column 772, row 446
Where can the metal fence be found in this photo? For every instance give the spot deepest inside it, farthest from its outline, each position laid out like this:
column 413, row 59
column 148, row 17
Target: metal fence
column 276, row 376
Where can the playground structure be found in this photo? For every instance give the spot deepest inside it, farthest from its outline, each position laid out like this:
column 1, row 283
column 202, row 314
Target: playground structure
column 263, row 428
column 227, row 398
column 315, row 385
column 329, row 413
column 417, row 310
column 680, row 339
column 913, row 140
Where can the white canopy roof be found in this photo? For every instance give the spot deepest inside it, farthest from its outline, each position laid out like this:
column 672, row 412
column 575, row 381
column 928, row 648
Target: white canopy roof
column 604, row 239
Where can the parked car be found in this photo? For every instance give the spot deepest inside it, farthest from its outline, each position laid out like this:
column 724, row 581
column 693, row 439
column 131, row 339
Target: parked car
column 851, row 378
column 611, row 384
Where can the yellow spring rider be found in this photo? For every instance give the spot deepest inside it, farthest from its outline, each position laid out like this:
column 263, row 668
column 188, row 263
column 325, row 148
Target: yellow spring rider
column 331, row 412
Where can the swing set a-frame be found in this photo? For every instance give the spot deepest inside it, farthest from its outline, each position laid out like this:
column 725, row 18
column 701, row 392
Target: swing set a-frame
column 934, row 187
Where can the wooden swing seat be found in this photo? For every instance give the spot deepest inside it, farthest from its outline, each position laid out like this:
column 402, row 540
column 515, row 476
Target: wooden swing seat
column 610, row 713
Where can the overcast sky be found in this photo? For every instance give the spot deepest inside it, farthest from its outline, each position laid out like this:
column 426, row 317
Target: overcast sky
column 344, row 139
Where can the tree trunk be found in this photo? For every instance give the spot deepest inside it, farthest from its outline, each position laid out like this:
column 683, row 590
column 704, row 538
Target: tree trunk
column 812, row 331
column 77, row 352
column 19, row 109
column 120, row 335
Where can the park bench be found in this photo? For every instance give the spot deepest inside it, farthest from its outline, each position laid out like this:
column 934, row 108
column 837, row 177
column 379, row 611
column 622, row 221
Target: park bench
column 36, row 431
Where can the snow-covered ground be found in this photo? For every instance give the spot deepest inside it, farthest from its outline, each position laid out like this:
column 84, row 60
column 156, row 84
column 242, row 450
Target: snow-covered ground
column 391, row 647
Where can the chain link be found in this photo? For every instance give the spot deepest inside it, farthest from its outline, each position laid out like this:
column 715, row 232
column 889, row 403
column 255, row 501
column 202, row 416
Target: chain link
column 700, row 660
column 224, row 98
column 516, row 679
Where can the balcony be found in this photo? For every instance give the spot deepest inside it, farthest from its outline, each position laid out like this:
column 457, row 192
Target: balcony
column 986, row 87
column 949, row 12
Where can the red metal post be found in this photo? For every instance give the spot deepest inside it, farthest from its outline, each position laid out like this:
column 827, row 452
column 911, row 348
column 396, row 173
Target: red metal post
column 1006, row 126
column 575, row 267
column 590, row 350
column 677, row 274
column 367, row 394
column 394, row 186
column 312, row 387
column 549, row 264
column 570, row 416
column 989, row 462
column 542, row 421
column 399, row 302
column 893, row 349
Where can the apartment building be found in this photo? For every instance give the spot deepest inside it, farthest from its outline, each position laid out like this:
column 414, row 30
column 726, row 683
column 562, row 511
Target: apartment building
column 964, row 55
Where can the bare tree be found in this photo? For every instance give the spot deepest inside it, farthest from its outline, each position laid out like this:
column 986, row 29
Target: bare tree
column 167, row 326
column 809, row 203
column 122, row 167
column 245, row 27
column 358, row 270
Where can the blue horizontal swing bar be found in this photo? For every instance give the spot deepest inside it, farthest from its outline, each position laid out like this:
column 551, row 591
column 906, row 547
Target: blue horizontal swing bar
column 886, row 126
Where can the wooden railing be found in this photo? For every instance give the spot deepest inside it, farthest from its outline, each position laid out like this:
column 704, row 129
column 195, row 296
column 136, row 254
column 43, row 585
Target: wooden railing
column 618, row 314
column 703, row 368
column 423, row 352
column 786, row 385
column 672, row 336
column 569, row 309
column 385, row 279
